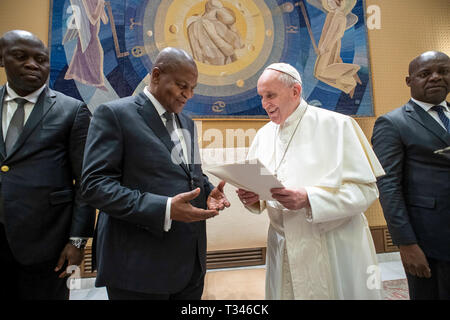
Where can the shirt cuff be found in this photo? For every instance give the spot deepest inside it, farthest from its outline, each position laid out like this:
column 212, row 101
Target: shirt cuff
column 257, row 207
column 308, row 213
column 167, row 220
column 309, row 216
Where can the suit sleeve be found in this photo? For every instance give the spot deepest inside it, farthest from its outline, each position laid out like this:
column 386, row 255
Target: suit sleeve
column 102, row 176
column 207, row 185
column 83, row 217
column 389, row 148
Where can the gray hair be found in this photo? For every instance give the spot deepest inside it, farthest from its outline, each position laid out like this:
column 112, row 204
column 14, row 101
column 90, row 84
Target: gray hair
column 288, row 80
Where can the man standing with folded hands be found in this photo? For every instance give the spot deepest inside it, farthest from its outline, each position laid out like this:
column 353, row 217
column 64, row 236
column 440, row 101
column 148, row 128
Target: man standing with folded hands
column 44, row 223
column 415, row 192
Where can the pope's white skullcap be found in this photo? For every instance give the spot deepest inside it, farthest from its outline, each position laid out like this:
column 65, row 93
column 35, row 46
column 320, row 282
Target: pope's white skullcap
column 287, row 69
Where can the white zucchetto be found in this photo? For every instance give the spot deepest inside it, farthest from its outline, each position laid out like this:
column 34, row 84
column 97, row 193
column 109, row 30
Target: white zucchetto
column 287, row 69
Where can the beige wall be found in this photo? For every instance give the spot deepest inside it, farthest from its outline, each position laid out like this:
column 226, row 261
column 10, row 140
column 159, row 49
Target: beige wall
column 31, row 15
column 408, row 27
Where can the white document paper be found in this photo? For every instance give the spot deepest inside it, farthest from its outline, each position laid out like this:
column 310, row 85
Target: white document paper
column 250, row 175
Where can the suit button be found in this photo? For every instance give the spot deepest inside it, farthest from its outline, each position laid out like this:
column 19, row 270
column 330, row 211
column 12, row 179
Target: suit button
column 5, row 168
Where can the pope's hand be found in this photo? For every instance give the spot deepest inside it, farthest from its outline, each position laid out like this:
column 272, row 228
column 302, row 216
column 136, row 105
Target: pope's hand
column 217, row 199
column 290, row 198
column 247, row 197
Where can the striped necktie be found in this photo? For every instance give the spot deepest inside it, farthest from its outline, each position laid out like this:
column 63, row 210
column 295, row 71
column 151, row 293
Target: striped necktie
column 16, row 125
column 440, row 111
column 177, row 152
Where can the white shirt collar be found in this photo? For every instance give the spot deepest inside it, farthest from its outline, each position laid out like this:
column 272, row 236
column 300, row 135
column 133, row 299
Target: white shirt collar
column 295, row 114
column 159, row 107
column 32, row 97
column 427, row 106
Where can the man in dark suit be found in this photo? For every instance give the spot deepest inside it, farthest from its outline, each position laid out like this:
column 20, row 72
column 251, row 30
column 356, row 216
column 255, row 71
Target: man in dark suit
column 43, row 221
column 142, row 170
column 415, row 192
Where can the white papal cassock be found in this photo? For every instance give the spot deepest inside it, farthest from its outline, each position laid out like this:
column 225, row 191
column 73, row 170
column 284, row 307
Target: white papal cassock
column 325, row 252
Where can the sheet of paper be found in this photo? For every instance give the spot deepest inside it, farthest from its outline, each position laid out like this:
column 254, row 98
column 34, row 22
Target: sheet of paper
column 250, row 175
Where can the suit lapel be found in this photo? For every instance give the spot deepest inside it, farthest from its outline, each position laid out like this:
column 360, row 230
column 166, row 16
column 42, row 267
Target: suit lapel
column 2, row 140
column 44, row 103
column 422, row 117
column 153, row 120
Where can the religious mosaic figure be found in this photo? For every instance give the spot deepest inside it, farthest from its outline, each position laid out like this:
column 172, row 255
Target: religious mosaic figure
column 212, row 36
column 329, row 66
column 86, row 65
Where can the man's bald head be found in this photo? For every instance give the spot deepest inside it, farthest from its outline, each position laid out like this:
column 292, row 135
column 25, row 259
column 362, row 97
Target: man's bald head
column 13, row 36
column 429, row 77
column 26, row 61
column 424, row 57
column 170, row 59
column 173, row 79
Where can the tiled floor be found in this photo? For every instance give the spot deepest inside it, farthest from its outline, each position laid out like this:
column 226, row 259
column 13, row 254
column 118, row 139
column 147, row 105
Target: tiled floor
column 240, row 283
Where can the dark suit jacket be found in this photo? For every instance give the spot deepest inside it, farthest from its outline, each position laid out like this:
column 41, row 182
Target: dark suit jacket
column 42, row 205
column 128, row 174
column 415, row 192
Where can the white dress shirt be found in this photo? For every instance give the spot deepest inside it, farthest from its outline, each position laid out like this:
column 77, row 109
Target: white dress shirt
column 161, row 110
column 10, row 106
column 427, row 107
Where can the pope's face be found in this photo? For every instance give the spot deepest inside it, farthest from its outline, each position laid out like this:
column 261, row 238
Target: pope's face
column 277, row 99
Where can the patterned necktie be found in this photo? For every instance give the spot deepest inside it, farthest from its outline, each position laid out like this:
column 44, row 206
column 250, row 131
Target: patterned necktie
column 16, row 125
column 440, row 111
column 177, row 153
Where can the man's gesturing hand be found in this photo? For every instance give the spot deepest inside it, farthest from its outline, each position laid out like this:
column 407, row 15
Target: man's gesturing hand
column 217, row 199
column 182, row 210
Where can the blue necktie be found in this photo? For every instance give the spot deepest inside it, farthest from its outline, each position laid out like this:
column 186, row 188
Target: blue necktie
column 440, row 111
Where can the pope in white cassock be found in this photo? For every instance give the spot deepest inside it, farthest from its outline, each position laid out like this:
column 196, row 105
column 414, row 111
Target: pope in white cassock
column 319, row 243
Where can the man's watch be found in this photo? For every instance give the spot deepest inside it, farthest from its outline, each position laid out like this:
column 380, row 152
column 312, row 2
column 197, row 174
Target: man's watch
column 79, row 243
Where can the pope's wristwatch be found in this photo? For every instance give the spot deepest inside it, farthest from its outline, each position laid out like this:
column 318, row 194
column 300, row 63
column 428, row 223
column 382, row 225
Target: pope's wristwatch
column 79, row 243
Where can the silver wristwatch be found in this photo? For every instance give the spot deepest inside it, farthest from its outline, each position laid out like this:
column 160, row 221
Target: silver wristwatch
column 79, row 243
